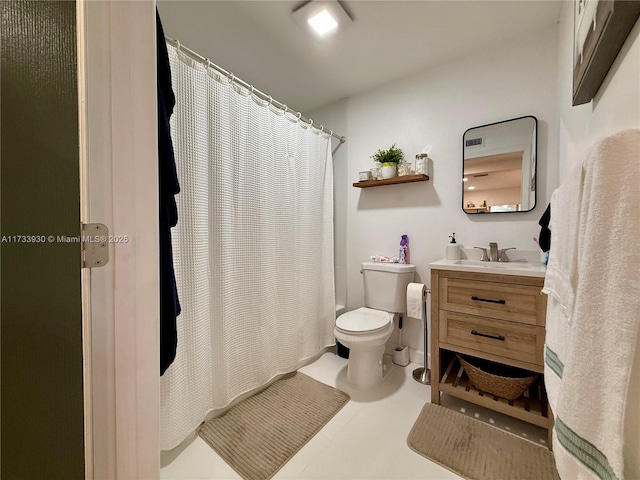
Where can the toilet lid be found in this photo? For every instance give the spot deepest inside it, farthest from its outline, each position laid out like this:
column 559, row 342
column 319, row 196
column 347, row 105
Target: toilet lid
column 363, row 320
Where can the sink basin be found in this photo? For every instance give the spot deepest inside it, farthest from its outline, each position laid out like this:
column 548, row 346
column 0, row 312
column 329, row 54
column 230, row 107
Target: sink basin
column 520, row 268
column 507, row 265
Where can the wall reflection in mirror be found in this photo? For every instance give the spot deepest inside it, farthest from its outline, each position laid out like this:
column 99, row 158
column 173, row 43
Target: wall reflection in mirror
column 499, row 166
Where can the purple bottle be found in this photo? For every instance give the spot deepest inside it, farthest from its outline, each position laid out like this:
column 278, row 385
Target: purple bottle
column 403, row 255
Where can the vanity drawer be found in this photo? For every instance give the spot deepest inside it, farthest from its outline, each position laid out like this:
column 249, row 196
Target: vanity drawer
column 516, row 341
column 505, row 301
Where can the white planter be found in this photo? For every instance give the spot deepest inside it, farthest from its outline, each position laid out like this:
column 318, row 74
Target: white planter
column 388, row 172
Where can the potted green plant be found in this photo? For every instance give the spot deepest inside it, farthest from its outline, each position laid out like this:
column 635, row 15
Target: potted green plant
column 388, row 160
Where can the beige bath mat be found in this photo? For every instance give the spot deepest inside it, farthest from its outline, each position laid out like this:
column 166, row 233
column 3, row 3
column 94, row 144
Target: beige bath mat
column 477, row 451
column 260, row 434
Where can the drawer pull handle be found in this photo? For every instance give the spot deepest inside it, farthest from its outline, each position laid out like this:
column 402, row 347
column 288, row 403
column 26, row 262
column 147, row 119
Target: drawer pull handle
column 495, row 337
column 501, row 302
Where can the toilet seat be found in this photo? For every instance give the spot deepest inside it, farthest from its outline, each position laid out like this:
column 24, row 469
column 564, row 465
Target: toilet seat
column 363, row 321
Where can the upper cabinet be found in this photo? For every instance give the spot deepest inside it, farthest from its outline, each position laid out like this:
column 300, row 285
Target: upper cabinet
column 499, row 166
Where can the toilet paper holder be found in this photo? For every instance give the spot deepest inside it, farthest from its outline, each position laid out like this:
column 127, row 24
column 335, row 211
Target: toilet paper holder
column 423, row 374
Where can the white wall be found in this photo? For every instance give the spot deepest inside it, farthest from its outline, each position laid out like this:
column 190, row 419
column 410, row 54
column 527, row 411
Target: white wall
column 616, row 107
column 435, row 108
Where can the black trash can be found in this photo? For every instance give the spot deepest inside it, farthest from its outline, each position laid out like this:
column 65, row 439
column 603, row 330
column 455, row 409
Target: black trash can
column 342, row 350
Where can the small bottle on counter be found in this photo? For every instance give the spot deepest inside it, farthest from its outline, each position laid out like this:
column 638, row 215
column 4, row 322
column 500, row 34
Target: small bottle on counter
column 453, row 249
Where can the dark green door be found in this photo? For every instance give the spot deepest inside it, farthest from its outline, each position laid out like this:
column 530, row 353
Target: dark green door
column 42, row 396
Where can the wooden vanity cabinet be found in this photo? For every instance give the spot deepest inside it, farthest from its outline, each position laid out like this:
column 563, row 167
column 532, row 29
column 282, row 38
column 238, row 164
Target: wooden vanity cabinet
column 495, row 317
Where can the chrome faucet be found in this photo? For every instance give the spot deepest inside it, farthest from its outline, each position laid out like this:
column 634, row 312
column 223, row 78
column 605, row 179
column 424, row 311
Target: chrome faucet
column 485, row 257
column 495, row 254
column 502, row 257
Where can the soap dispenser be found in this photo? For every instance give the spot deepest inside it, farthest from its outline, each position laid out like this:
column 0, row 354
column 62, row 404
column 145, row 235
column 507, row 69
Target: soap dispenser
column 453, row 249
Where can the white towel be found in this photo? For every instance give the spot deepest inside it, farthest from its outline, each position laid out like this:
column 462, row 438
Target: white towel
column 605, row 319
column 415, row 300
column 561, row 278
column 555, row 350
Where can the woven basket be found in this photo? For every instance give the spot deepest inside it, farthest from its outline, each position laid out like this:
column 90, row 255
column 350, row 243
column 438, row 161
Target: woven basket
column 497, row 379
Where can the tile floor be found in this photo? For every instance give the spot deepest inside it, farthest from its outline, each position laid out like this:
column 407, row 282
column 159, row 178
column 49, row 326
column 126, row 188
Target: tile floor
column 367, row 439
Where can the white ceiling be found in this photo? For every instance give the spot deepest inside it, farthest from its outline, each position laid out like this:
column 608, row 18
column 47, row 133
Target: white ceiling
column 259, row 42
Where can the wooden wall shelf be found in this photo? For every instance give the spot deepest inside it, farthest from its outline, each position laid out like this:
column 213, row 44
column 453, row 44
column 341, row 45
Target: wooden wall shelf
column 392, row 181
column 476, row 209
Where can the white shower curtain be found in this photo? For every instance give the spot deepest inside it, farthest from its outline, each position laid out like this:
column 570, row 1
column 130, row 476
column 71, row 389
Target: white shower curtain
column 253, row 248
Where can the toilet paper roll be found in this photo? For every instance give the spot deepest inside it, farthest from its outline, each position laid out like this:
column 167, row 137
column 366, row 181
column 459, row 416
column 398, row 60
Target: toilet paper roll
column 415, row 300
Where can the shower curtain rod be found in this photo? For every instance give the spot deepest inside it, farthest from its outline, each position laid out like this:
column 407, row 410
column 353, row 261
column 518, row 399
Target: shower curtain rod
column 255, row 91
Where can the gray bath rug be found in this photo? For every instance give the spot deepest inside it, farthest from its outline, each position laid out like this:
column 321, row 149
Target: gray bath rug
column 259, row 435
column 477, row 451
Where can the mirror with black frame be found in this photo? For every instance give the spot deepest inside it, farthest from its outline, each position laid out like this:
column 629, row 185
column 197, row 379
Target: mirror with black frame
column 499, row 166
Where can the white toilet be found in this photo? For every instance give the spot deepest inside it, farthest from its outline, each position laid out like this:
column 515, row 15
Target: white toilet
column 365, row 331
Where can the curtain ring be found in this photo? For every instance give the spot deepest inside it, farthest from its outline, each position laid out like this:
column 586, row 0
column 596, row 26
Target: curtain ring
column 270, row 100
column 321, row 128
column 178, row 42
column 311, row 122
column 285, row 108
column 331, row 133
column 251, row 91
column 299, row 116
column 230, row 77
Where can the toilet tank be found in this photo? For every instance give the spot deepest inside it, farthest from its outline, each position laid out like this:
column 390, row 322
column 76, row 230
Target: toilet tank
column 385, row 285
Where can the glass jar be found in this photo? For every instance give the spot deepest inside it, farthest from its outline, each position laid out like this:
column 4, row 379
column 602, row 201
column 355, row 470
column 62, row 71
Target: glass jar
column 404, row 168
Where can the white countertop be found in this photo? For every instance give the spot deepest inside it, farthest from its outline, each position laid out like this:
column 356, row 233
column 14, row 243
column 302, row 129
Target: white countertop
column 523, row 269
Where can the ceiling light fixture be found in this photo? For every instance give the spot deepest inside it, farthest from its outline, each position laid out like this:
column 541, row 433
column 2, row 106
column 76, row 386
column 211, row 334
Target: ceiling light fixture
column 465, row 179
column 323, row 22
column 324, row 17
column 471, row 188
